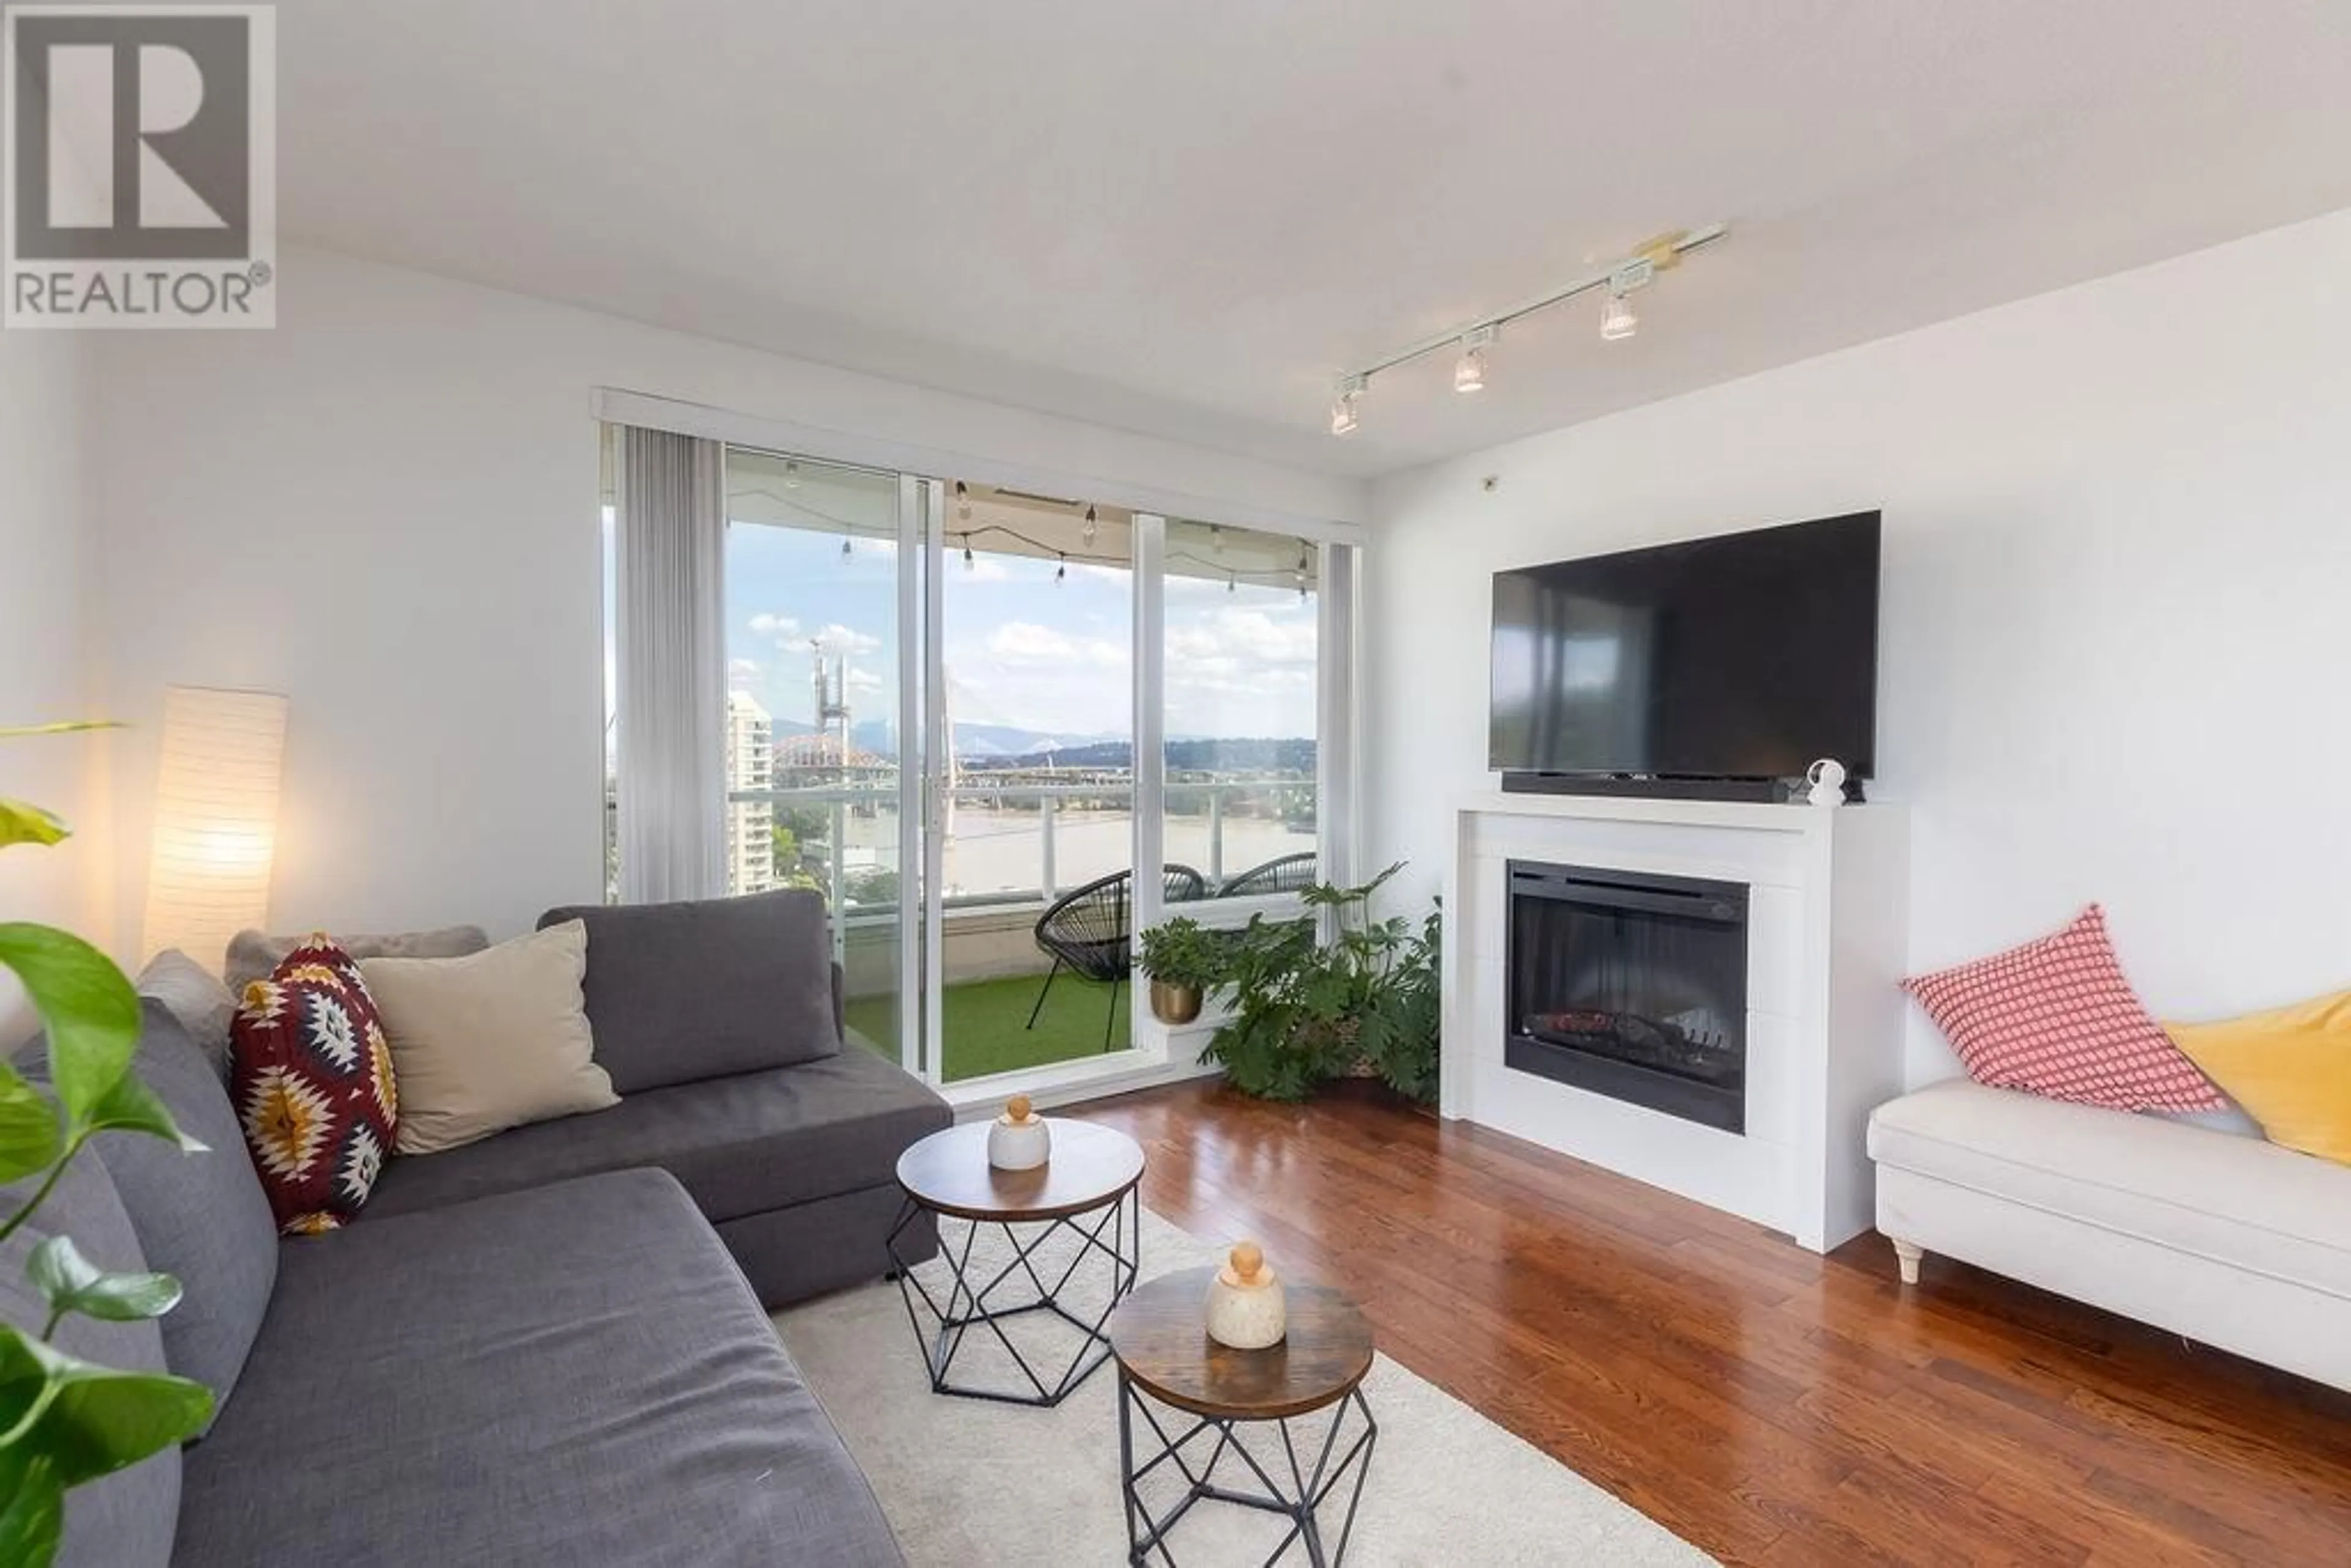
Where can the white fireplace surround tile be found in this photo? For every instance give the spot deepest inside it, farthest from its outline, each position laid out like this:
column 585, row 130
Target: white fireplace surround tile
column 1827, row 910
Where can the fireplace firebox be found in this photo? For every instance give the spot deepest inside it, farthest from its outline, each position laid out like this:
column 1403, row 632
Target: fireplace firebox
column 1630, row 985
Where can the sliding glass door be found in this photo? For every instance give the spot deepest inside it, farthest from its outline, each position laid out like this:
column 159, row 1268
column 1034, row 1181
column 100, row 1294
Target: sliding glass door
column 1000, row 730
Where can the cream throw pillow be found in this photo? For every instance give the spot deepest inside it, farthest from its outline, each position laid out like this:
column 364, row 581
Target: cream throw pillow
column 490, row 1040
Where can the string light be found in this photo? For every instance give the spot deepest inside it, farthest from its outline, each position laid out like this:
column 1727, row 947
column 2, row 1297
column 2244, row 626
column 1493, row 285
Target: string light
column 968, row 564
column 1092, row 527
column 845, row 547
column 963, row 503
column 791, row 475
column 1232, row 582
column 1062, row 572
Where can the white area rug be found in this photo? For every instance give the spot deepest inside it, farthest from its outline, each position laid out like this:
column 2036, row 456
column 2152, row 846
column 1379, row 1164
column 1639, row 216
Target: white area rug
column 969, row 1482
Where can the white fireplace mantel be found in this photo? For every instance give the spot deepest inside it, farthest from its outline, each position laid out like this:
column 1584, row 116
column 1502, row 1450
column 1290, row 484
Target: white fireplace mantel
column 1827, row 913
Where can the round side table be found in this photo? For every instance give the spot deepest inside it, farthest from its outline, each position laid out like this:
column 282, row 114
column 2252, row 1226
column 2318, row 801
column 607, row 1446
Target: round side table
column 1086, row 1194
column 1165, row 1358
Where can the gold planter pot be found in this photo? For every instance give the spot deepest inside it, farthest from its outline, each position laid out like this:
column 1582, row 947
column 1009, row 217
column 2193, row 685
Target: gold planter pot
column 1174, row 1004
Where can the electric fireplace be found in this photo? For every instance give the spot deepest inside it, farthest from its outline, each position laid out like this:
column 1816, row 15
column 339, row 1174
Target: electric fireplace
column 1630, row 985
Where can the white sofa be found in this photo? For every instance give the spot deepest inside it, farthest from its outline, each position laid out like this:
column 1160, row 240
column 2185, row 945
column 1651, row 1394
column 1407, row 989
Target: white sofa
column 2223, row 1239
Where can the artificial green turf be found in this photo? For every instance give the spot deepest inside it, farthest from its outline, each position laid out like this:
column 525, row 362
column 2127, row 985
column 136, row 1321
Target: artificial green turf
column 984, row 1030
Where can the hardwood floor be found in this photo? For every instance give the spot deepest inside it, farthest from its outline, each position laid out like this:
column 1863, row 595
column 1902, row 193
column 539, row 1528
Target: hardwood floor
column 1770, row 1405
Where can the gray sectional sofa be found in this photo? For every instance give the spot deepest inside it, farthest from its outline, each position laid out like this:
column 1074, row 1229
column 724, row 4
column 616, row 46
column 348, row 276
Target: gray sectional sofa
column 548, row 1347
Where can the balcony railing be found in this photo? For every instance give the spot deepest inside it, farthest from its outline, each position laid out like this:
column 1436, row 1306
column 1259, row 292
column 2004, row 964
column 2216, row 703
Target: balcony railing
column 1246, row 822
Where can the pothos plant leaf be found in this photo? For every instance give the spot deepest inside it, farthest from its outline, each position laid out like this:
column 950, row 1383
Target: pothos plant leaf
column 32, row 1506
column 86, row 1006
column 132, row 1107
column 29, row 1136
column 63, row 726
column 72, row 1283
column 22, row 822
column 89, row 1420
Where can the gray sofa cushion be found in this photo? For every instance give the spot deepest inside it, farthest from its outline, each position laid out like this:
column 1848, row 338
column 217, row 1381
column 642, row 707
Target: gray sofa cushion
column 202, row 1217
column 741, row 1145
column 680, row 992
column 253, row 955
column 573, row 1375
column 125, row 1520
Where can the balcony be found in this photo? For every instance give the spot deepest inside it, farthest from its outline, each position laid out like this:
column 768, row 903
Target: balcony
column 1013, row 847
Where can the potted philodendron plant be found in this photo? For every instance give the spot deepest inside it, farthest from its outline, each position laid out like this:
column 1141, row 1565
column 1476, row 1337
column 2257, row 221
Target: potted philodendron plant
column 64, row 1420
column 1184, row 960
column 1362, row 1003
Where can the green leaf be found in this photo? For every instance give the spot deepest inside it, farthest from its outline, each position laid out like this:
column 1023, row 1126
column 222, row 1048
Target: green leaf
column 29, row 1136
column 89, row 1420
column 32, row 1507
column 132, row 1107
column 86, row 1006
column 22, row 822
column 72, row 1283
column 68, row 726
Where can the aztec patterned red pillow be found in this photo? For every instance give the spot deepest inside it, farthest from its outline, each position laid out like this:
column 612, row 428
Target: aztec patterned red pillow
column 2056, row 1018
column 310, row 1075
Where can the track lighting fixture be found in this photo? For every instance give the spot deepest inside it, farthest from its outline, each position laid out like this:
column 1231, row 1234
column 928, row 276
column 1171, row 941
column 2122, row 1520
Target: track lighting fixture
column 1617, row 320
column 1092, row 527
column 1469, row 370
column 1342, row 410
column 963, row 503
column 1617, row 317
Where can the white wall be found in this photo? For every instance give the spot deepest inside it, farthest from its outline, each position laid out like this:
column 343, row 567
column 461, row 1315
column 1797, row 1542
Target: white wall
column 387, row 509
column 2117, row 622
column 44, row 676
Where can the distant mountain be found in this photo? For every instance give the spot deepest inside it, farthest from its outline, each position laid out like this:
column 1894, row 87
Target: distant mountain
column 1007, row 745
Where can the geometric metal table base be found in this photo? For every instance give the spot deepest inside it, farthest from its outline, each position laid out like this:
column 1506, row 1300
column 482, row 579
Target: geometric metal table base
column 1301, row 1502
column 1109, row 1237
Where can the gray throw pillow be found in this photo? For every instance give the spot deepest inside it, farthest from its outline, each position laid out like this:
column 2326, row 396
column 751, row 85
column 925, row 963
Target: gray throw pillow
column 680, row 992
column 196, row 997
column 252, row 955
column 201, row 1216
column 131, row 1516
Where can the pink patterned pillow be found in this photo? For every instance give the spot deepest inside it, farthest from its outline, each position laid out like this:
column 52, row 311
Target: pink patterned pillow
column 2055, row 1017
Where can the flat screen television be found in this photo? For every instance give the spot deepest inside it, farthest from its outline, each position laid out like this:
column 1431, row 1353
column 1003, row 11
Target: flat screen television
column 1745, row 656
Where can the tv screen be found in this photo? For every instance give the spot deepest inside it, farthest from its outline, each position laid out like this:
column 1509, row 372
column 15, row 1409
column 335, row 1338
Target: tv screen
column 1745, row 655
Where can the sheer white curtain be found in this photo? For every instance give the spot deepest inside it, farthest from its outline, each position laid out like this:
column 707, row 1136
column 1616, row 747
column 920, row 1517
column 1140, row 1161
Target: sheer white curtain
column 670, row 533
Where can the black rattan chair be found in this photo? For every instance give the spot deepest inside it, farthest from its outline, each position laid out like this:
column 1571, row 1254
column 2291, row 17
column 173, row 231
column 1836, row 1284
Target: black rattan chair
column 1090, row 931
column 1288, row 874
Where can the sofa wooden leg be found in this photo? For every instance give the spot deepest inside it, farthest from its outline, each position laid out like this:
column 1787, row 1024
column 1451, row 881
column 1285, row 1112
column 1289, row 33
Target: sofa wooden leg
column 1906, row 1255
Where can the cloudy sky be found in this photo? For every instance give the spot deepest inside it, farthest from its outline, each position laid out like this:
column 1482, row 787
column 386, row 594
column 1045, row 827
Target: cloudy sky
column 1022, row 649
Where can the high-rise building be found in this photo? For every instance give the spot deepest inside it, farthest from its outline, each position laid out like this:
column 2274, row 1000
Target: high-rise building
column 750, row 824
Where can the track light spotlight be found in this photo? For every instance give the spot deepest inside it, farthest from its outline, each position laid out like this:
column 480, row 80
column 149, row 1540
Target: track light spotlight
column 1618, row 318
column 1469, row 370
column 1342, row 410
column 963, row 503
column 1092, row 527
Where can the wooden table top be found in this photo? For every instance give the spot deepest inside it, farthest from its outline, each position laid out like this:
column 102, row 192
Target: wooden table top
column 1089, row 1167
column 1160, row 1335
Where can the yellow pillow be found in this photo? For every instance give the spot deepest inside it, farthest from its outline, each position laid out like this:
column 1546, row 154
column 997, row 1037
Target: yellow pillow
column 2290, row 1068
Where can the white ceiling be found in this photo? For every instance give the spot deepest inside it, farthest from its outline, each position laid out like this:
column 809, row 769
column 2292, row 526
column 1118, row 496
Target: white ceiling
column 1184, row 216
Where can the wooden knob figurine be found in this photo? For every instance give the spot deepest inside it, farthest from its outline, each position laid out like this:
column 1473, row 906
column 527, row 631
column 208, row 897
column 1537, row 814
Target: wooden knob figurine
column 1019, row 1141
column 1246, row 1310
